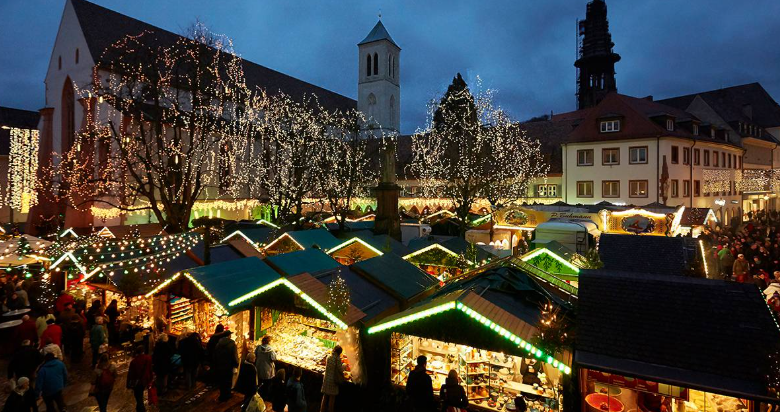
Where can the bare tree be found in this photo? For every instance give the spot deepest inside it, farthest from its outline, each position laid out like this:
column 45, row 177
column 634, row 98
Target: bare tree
column 167, row 122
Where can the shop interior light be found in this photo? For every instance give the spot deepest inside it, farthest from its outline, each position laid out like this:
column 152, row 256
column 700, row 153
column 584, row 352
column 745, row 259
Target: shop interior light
column 355, row 240
column 539, row 251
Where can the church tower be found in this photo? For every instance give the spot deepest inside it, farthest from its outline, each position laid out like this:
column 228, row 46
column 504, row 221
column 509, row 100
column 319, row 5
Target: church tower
column 379, row 90
column 596, row 62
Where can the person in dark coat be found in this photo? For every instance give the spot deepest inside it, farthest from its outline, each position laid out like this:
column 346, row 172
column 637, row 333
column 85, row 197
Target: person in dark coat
column 225, row 360
column 419, row 387
column 21, row 399
column 296, row 398
column 112, row 313
column 191, row 351
column 246, row 384
column 452, row 394
column 27, row 330
column 51, row 380
column 219, row 333
column 139, row 376
column 278, row 391
column 24, row 361
column 161, row 362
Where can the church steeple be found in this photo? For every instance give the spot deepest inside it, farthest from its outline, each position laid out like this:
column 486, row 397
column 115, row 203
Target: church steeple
column 379, row 86
column 596, row 63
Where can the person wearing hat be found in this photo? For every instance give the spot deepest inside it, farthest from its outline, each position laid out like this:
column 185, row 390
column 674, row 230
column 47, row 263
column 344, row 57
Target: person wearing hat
column 741, row 268
column 21, row 399
column 225, row 361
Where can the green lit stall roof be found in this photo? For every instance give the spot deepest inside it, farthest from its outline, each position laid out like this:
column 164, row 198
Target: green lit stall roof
column 307, row 260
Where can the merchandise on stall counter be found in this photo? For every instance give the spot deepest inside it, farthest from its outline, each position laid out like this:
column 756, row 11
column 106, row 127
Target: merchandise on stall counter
column 492, row 380
column 305, row 342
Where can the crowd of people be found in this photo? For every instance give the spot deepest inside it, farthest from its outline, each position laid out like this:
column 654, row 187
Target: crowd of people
column 749, row 252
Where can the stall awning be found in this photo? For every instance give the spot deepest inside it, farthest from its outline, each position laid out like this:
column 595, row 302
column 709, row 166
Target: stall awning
column 505, row 325
column 226, row 284
column 704, row 334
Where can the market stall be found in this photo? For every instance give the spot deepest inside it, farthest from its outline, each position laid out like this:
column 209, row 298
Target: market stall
column 650, row 357
column 483, row 332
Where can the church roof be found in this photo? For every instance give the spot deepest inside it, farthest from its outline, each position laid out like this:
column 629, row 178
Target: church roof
column 103, row 27
column 379, row 32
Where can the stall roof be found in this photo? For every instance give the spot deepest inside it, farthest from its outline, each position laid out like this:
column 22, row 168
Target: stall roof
column 227, row 282
column 353, row 226
column 636, row 253
column 504, row 297
column 456, row 245
column 306, row 239
column 632, row 325
column 398, row 276
column 300, row 261
column 252, row 234
column 123, row 231
column 696, row 216
column 370, row 299
column 383, row 242
column 318, row 291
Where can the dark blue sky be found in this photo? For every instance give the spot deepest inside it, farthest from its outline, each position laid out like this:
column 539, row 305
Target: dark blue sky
column 524, row 49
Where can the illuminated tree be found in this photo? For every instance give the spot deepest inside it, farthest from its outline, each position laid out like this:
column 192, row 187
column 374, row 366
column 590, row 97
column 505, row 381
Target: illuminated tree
column 472, row 150
column 166, row 124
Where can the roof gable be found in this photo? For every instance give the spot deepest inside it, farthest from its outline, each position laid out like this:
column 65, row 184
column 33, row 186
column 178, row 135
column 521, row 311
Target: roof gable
column 396, row 275
column 379, row 32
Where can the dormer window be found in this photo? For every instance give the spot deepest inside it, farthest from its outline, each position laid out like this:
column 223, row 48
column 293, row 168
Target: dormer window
column 696, row 130
column 670, row 125
column 610, row 126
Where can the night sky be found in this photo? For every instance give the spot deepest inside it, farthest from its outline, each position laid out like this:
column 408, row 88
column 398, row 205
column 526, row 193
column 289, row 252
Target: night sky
column 523, row 49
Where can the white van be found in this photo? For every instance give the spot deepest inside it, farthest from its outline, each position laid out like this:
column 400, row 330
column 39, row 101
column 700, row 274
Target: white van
column 578, row 235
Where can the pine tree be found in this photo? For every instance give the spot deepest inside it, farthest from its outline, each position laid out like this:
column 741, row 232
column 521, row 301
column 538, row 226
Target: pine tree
column 338, row 296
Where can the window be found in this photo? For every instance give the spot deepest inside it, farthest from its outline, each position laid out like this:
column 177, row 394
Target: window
column 686, row 155
column 739, row 162
column 696, row 157
column 697, row 188
column 547, row 190
column 77, row 56
column 637, row 188
column 637, row 155
column 715, row 158
column 723, row 159
column 706, row 157
column 610, row 156
column 675, row 188
column 696, row 130
column 585, row 157
column 609, row 126
column 686, row 188
column 610, row 188
column 730, row 156
column 585, row 189
column 675, row 155
column 368, row 65
column 376, row 64
column 669, row 125
column 59, row 63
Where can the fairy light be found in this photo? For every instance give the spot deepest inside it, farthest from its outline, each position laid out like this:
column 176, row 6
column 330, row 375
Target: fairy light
column 434, row 246
column 284, row 235
column 704, row 258
column 351, row 241
column 21, row 193
column 475, row 151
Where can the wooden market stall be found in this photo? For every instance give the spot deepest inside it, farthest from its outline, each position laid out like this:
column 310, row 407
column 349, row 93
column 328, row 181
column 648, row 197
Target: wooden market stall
column 481, row 327
column 679, row 343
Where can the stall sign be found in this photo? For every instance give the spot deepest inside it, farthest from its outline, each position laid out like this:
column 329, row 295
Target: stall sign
column 638, row 224
column 638, row 384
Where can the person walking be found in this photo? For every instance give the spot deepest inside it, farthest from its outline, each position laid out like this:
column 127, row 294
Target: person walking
column 334, row 375
column 24, row 361
column 225, row 361
column 27, row 331
column 219, row 333
column 98, row 336
column 191, row 351
column 246, row 384
column 51, row 380
column 50, row 347
column 453, row 396
column 112, row 315
column 139, row 376
column 41, row 322
column 161, row 362
column 21, row 398
column 63, row 299
column 296, row 398
column 52, row 334
column 265, row 364
column 278, row 391
column 741, row 268
column 419, row 387
column 103, row 384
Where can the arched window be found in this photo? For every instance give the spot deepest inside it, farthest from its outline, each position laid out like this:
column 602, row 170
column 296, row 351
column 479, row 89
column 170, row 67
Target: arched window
column 67, row 115
column 392, row 110
column 371, row 106
column 77, row 56
column 368, row 65
column 376, row 64
column 389, row 68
